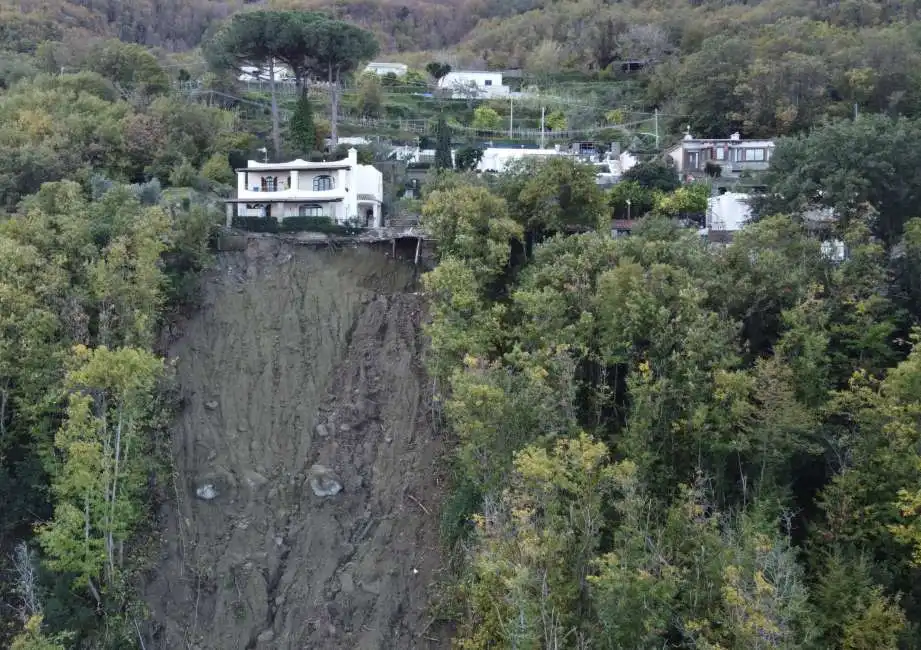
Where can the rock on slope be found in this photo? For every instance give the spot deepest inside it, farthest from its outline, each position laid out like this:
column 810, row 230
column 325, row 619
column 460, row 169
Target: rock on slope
column 300, row 370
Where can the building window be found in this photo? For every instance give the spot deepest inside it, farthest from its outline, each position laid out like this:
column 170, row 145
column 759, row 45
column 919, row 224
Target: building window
column 487, row 82
column 322, row 183
column 720, row 153
column 754, row 155
column 258, row 208
column 270, row 183
column 311, row 209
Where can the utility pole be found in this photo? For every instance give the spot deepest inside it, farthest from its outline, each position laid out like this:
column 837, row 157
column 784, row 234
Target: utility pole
column 657, row 128
column 542, row 127
column 856, row 111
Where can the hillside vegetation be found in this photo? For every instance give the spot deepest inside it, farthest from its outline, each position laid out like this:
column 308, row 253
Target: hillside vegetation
column 664, row 444
column 764, row 68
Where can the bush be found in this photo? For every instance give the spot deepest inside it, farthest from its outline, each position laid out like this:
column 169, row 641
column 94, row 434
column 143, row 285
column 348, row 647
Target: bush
column 293, row 224
column 217, row 168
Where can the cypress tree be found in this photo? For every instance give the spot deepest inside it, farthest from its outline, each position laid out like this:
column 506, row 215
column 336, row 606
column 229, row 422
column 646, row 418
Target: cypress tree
column 443, row 146
column 302, row 129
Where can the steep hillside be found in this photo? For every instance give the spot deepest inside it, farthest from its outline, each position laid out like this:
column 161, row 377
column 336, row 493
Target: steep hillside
column 181, row 24
column 301, row 372
column 502, row 30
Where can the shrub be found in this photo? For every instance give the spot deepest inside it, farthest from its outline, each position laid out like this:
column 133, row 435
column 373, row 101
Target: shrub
column 293, row 224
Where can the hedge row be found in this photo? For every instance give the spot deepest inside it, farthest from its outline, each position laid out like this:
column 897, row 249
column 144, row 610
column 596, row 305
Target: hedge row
column 293, row 224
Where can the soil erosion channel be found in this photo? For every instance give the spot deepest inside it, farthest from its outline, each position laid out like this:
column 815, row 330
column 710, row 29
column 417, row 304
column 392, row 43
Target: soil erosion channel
column 305, row 488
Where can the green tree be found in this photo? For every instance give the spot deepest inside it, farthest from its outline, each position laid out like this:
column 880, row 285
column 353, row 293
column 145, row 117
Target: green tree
column 880, row 626
column 615, row 116
column 556, row 121
column 657, row 174
column 686, row 200
column 468, row 158
column 845, row 166
column 437, row 70
column 370, row 95
column 641, row 200
column 260, row 39
column 535, row 548
column 553, row 195
column 485, row 118
column 217, row 168
column 470, row 223
column 463, row 323
column 132, row 68
column 98, row 483
column 443, row 157
column 414, row 78
column 32, row 637
column 338, row 48
column 301, row 128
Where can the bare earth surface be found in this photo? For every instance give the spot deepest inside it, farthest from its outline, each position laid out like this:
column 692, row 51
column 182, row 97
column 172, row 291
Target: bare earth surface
column 301, row 369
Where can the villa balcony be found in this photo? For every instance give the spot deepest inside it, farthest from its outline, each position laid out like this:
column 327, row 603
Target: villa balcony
column 284, row 193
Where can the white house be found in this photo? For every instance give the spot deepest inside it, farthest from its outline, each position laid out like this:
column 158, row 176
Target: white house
column 497, row 159
column 733, row 155
column 342, row 190
column 465, row 85
column 254, row 73
column 382, row 68
column 729, row 211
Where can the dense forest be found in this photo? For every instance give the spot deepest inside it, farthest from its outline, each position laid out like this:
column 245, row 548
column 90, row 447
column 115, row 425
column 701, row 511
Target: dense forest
column 665, row 444
column 108, row 211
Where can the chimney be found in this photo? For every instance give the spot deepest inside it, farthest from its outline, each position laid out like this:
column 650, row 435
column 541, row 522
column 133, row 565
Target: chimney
column 735, row 136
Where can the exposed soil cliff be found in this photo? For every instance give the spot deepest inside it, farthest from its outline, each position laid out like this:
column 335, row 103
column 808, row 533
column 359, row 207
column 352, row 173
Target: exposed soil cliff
column 301, row 373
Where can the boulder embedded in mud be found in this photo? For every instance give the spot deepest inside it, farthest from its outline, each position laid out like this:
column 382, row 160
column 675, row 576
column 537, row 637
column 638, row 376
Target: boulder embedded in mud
column 322, row 431
column 207, row 492
column 211, row 405
column 324, row 482
column 266, row 637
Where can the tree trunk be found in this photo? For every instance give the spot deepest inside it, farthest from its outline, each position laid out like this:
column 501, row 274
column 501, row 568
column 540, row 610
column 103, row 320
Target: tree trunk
column 3, row 401
column 94, row 591
column 110, row 544
column 276, row 133
column 86, row 538
column 108, row 495
column 334, row 111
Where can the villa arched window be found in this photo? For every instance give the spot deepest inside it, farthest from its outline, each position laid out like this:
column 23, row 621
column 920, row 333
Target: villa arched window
column 322, row 183
column 310, row 210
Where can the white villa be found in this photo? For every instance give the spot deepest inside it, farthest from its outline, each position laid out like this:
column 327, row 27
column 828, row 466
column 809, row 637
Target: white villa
column 466, row 85
column 497, row 159
column 342, row 190
column 382, row 68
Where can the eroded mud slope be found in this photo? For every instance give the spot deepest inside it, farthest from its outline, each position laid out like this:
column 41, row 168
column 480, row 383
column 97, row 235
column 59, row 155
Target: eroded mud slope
column 298, row 358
